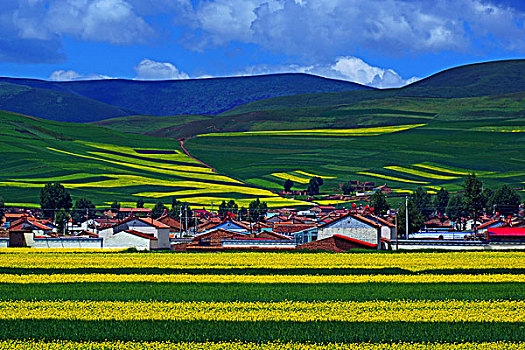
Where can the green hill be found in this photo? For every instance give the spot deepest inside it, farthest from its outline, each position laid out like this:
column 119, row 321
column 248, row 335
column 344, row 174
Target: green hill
column 377, row 112
column 106, row 165
column 194, row 96
column 54, row 104
column 399, row 137
column 482, row 79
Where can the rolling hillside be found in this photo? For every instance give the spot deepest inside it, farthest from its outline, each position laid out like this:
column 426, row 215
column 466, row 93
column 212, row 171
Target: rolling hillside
column 196, row 96
column 404, row 141
column 106, row 165
column 54, row 105
column 483, row 79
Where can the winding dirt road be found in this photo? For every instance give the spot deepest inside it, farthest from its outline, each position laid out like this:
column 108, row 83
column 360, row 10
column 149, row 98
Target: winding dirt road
column 192, row 157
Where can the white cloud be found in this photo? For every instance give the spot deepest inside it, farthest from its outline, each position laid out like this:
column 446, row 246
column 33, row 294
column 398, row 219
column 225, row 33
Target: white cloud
column 322, row 29
column 344, row 68
column 356, row 70
column 71, row 75
column 112, row 21
column 152, row 70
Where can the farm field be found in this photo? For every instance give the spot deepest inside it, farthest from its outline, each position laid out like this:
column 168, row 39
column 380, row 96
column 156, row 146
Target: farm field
column 436, row 154
column 97, row 300
column 106, row 165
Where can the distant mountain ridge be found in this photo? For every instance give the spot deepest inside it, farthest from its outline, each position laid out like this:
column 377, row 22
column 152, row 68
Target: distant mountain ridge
column 173, row 97
column 474, row 80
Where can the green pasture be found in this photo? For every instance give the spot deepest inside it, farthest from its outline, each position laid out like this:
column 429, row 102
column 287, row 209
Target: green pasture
column 463, row 145
column 104, row 165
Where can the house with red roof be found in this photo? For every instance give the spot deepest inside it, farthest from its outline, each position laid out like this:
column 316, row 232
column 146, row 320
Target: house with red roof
column 356, row 227
column 149, row 228
column 140, row 212
column 173, row 223
column 29, row 223
column 506, row 234
column 337, row 243
column 230, row 224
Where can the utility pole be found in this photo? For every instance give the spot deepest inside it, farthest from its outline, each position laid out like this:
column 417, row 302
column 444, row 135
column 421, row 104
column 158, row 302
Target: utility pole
column 397, row 245
column 180, row 220
column 186, row 216
column 406, row 218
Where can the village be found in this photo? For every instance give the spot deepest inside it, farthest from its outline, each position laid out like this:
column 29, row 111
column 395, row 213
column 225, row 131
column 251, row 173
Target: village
column 318, row 228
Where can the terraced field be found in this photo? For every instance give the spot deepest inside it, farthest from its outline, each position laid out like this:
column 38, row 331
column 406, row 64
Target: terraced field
column 432, row 155
column 105, row 165
column 98, row 300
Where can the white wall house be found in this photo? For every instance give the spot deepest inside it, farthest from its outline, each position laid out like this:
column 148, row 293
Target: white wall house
column 145, row 227
column 355, row 227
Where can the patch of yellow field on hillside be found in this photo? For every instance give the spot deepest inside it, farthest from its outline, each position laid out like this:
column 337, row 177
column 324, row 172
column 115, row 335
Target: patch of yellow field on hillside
column 381, row 176
column 294, row 178
column 152, row 163
column 272, row 202
column 454, row 171
column 177, row 156
column 374, row 131
column 313, row 175
column 420, row 173
column 184, row 174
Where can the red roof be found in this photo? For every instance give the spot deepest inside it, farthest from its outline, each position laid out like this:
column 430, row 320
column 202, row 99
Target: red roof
column 355, row 216
column 135, row 210
column 140, row 234
column 488, row 223
column 149, row 221
column 507, row 231
column 356, row 241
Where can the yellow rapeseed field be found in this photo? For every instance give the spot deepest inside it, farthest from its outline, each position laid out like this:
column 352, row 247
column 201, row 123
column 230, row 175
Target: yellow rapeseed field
column 373, row 131
column 381, row 176
column 211, row 278
column 294, row 178
column 296, row 311
column 411, row 261
column 420, row 173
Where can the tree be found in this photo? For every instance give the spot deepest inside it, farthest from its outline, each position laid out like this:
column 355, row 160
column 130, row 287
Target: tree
column 441, row 201
column 140, row 203
column 473, row 196
column 379, row 203
column 415, row 219
column 61, row 219
column 505, row 200
column 227, row 208
column 257, row 210
column 457, row 211
column 115, row 207
column 313, row 185
column 288, row 184
column 158, row 210
column 83, row 208
column 421, row 201
column 243, row 213
column 53, row 197
column 348, row 188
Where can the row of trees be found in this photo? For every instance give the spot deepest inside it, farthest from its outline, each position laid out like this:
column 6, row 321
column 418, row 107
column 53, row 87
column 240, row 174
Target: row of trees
column 473, row 202
column 313, row 185
column 56, row 204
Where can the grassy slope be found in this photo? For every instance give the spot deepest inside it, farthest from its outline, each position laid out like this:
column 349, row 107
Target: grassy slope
column 198, row 96
column 29, row 161
column 503, row 77
column 452, row 138
column 54, row 104
column 147, row 124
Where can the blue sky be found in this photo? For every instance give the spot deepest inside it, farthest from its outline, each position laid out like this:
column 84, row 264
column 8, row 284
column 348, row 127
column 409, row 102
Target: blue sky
column 383, row 43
